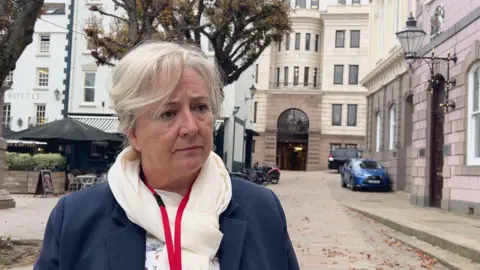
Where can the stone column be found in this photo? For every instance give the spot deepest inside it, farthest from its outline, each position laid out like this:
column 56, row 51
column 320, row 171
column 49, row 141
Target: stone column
column 6, row 200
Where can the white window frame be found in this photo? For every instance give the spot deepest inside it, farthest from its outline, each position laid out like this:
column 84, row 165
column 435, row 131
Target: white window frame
column 378, row 132
column 37, row 112
column 44, row 46
column 7, row 115
column 393, row 123
column 38, row 77
column 472, row 160
column 89, row 87
column 9, row 77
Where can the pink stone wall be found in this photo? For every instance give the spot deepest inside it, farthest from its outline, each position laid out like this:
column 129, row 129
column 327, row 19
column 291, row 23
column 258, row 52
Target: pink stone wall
column 461, row 182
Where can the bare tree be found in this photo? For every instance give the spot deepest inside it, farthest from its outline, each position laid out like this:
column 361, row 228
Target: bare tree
column 17, row 23
column 238, row 30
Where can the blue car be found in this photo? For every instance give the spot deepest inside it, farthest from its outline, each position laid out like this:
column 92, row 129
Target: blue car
column 364, row 174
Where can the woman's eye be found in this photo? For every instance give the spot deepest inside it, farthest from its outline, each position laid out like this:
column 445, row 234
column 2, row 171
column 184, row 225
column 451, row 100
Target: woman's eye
column 168, row 115
column 202, row 108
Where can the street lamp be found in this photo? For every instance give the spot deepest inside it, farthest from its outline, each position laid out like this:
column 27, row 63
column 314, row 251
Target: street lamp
column 253, row 91
column 411, row 39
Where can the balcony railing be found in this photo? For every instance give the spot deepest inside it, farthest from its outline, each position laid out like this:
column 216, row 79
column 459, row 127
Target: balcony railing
column 299, row 86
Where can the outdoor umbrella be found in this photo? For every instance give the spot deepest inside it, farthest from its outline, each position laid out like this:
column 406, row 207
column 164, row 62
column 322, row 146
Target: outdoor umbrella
column 67, row 129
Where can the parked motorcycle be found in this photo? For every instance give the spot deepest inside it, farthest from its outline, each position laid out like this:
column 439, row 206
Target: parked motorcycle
column 268, row 173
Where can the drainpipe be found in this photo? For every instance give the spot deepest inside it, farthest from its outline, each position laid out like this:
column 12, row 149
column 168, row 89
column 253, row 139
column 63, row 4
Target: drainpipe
column 69, row 70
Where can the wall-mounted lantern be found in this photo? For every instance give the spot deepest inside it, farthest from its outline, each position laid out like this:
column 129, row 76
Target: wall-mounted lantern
column 411, row 39
column 57, row 94
column 235, row 110
column 253, row 91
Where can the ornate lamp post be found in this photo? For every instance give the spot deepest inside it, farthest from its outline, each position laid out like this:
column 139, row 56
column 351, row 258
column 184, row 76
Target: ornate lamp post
column 411, row 39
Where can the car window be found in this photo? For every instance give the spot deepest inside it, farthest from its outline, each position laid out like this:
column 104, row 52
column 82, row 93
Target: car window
column 338, row 153
column 352, row 154
column 369, row 165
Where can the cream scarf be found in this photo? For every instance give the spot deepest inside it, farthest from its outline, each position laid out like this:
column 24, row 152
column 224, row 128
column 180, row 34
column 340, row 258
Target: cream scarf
column 210, row 196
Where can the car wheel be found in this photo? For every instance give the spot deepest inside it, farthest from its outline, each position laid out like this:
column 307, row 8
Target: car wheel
column 274, row 180
column 344, row 185
column 352, row 186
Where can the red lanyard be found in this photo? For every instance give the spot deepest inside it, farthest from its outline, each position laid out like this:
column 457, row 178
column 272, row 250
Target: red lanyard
column 174, row 256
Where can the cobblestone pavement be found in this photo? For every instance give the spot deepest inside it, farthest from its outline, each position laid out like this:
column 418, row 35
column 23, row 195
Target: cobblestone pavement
column 326, row 235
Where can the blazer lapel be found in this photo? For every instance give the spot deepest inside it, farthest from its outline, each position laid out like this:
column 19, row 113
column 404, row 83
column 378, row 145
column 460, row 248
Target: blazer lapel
column 234, row 230
column 126, row 243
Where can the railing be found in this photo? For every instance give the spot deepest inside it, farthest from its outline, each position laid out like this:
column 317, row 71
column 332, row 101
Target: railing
column 299, row 86
column 36, row 121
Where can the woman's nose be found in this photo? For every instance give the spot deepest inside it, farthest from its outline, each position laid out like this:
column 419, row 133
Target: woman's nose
column 188, row 125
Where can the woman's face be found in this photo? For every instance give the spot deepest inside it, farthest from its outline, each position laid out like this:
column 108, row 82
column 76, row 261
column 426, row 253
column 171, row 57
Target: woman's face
column 177, row 141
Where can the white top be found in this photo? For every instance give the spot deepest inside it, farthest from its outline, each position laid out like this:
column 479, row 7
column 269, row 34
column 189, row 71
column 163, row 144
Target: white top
column 156, row 253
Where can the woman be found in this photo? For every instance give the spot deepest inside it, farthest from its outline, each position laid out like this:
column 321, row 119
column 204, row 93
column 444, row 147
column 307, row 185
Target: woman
column 169, row 202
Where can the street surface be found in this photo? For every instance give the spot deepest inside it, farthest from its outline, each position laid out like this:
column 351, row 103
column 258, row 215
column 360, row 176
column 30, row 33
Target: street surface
column 327, row 235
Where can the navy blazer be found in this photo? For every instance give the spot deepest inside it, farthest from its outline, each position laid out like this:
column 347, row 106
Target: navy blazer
column 88, row 230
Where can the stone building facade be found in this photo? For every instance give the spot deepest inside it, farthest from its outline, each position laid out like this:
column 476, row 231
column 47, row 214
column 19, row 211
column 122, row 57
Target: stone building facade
column 443, row 146
column 309, row 98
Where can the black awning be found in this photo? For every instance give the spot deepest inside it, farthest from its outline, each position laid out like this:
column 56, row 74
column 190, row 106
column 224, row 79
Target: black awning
column 252, row 132
column 67, row 129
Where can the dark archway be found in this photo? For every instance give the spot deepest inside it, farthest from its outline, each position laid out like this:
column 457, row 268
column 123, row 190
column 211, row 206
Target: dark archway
column 292, row 140
column 437, row 140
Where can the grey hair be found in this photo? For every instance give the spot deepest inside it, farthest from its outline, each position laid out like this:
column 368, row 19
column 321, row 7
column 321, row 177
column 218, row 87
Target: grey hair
column 150, row 74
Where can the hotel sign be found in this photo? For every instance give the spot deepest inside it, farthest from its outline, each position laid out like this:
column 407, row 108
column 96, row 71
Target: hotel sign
column 22, row 96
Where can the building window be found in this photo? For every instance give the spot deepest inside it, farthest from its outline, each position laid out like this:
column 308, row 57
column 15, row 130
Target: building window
column 300, row 4
column 44, row 44
column 338, row 74
column 42, row 77
column 297, row 41
column 256, row 73
column 278, row 77
column 307, row 42
column 40, row 114
column 255, row 108
column 253, row 146
column 305, row 76
column 336, row 114
column 285, row 76
column 356, row 2
column 335, row 145
column 315, row 71
column 7, row 114
column 355, row 39
column 99, row 149
column 9, row 79
column 279, row 45
column 353, row 74
column 351, row 145
column 473, row 136
column 352, row 115
column 317, row 37
column 340, row 39
column 89, row 87
column 295, row 75
column 378, row 123
column 342, row 2
column 391, row 139
column 287, row 42
column 314, row 4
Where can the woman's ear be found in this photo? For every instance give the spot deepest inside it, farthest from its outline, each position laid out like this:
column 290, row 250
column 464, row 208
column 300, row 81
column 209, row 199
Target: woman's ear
column 132, row 138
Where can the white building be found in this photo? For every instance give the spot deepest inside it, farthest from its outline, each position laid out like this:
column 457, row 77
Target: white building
column 36, row 93
column 309, row 99
column 88, row 99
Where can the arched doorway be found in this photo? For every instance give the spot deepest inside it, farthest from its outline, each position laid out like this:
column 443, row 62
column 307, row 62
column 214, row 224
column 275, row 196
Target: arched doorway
column 292, row 140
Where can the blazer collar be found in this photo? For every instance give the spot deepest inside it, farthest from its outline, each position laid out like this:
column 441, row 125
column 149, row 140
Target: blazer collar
column 125, row 235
